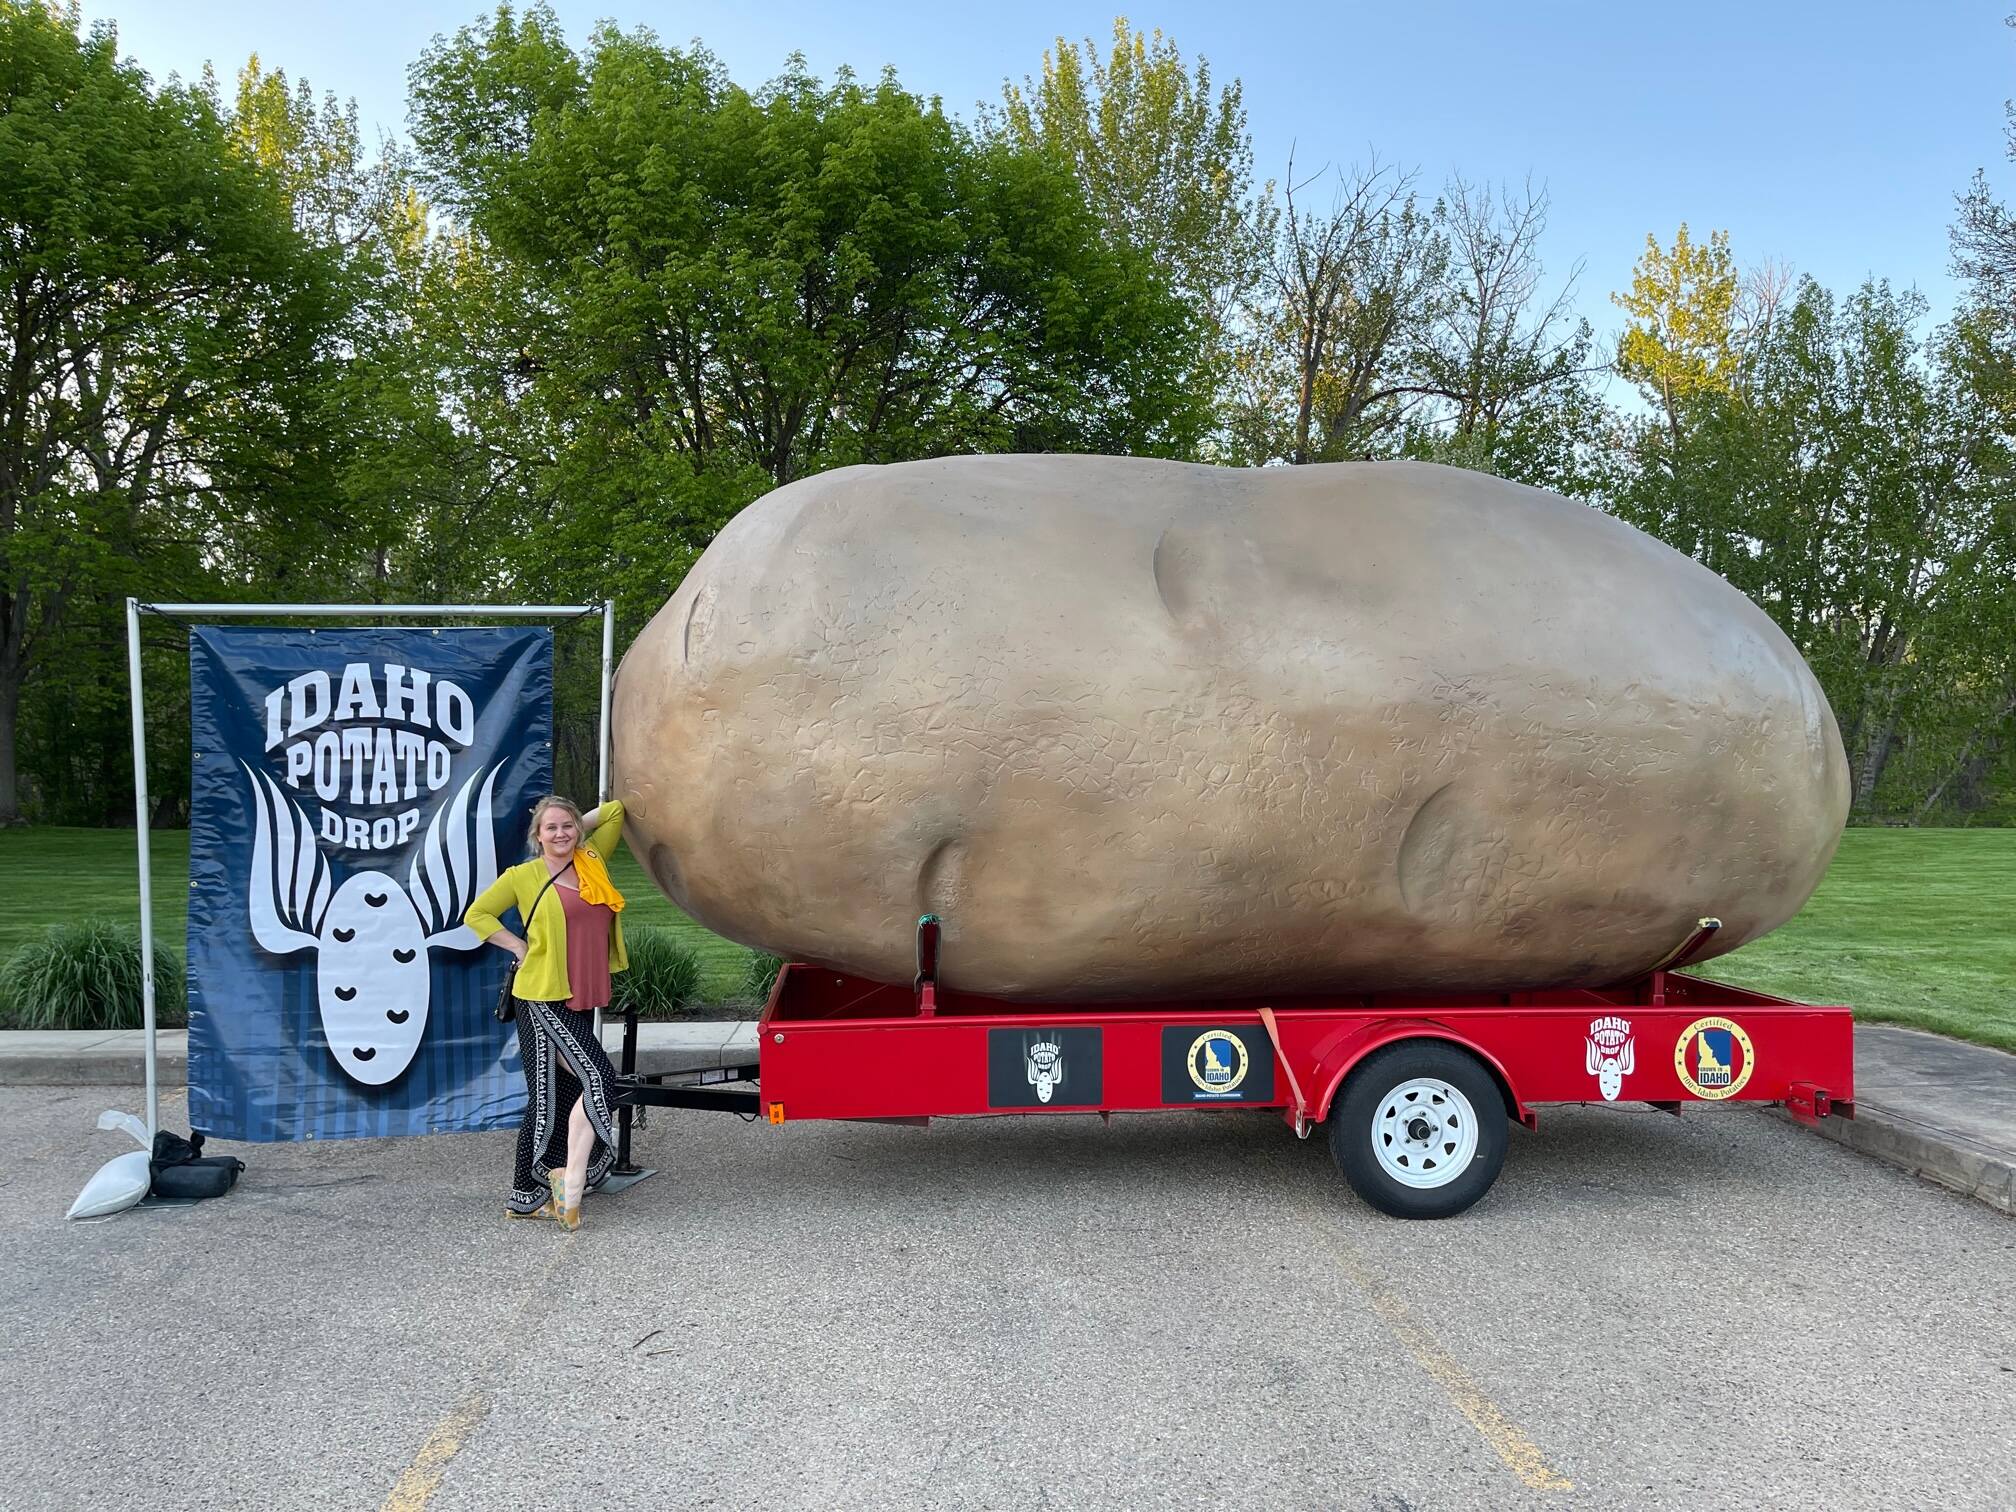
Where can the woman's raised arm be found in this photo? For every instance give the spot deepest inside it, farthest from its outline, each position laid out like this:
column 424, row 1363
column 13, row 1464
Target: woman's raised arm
column 605, row 827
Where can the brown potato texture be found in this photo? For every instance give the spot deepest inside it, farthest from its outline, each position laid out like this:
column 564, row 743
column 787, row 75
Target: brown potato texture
column 1147, row 729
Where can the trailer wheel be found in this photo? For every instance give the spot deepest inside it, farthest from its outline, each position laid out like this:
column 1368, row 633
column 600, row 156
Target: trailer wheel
column 1419, row 1130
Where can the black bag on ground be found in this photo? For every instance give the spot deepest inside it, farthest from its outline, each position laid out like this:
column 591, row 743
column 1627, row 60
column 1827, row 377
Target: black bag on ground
column 207, row 1176
column 181, row 1171
column 171, row 1148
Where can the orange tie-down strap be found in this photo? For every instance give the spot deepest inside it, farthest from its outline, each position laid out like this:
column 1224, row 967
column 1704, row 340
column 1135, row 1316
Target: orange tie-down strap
column 1294, row 1086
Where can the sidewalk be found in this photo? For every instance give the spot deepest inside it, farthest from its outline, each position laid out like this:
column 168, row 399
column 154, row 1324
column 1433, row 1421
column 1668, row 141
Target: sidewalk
column 118, row 1058
column 1939, row 1108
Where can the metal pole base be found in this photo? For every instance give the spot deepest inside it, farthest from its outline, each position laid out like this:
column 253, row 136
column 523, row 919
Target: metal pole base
column 622, row 1181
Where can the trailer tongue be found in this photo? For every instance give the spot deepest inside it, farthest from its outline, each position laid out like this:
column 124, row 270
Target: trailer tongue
column 1416, row 1089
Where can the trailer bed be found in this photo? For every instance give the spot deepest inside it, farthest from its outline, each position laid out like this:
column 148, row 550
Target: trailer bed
column 836, row 1046
column 1415, row 1089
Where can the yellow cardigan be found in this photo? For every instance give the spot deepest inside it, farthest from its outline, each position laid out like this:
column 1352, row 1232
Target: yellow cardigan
column 542, row 976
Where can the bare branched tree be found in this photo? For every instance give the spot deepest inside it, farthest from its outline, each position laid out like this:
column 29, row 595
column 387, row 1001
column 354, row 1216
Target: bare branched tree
column 1343, row 293
column 1759, row 300
column 1984, row 238
column 1492, row 345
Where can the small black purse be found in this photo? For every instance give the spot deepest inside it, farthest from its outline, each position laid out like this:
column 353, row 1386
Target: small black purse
column 507, row 1000
column 506, row 1007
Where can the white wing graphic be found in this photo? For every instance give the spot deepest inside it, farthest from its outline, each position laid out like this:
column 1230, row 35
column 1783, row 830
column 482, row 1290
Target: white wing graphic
column 291, row 887
column 448, row 871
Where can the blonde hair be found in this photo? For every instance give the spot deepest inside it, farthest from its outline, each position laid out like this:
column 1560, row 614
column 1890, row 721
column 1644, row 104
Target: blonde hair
column 551, row 800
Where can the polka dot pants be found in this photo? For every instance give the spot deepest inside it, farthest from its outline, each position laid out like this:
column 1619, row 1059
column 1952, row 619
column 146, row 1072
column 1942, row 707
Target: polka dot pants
column 563, row 1061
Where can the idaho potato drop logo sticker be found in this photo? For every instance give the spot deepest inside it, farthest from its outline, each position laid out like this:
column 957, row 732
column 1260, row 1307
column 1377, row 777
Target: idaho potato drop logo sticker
column 1714, row 1058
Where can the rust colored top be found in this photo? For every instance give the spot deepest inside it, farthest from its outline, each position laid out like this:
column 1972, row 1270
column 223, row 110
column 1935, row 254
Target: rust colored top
column 587, row 949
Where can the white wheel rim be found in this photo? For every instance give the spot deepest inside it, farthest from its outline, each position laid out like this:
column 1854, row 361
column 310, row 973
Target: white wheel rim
column 1424, row 1133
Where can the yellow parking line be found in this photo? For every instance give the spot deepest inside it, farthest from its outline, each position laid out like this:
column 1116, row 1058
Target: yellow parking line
column 419, row 1479
column 1520, row 1454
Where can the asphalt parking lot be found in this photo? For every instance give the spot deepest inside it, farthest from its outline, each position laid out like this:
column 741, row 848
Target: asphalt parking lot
column 1171, row 1310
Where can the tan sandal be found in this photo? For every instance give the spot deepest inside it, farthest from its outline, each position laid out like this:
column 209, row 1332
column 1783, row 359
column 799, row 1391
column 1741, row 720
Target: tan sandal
column 569, row 1217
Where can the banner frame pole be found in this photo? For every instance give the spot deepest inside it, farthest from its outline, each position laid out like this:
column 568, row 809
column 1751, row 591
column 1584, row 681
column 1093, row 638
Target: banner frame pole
column 134, row 608
column 608, row 678
column 602, row 797
column 371, row 611
column 140, row 819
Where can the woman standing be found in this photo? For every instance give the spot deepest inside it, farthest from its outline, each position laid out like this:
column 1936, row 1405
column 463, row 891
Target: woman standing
column 573, row 943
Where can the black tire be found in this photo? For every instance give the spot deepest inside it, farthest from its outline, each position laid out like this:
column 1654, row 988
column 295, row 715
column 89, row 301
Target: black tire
column 1436, row 1135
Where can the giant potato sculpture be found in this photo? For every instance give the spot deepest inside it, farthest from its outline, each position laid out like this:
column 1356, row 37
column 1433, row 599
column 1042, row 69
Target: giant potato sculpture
column 1140, row 728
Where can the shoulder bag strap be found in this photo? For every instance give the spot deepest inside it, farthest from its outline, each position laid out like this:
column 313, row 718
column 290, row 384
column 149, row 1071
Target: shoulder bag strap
column 542, row 898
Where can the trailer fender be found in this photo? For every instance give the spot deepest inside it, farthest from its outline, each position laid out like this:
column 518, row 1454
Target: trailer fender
column 1338, row 1053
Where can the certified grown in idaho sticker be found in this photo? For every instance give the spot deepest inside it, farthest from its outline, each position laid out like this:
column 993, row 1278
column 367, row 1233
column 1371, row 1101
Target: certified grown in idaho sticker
column 1714, row 1058
column 1218, row 1063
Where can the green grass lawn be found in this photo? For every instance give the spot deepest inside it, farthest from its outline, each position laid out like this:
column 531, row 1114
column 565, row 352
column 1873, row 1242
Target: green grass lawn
column 48, row 875
column 1910, row 927
column 1913, row 927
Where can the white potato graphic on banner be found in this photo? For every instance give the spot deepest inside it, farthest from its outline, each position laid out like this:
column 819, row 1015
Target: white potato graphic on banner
column 371, row 935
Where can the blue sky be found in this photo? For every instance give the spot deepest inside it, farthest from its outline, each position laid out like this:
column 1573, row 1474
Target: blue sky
column 1830, row 137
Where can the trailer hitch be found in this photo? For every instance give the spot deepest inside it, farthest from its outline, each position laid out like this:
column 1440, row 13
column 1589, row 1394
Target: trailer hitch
column 1809, row 1104
column 708, row 1087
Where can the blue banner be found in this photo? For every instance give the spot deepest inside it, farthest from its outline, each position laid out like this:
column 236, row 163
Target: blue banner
column 352, row 790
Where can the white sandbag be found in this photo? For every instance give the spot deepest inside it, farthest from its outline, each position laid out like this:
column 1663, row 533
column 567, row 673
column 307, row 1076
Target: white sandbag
column 112, row 1118
column 121, row 1181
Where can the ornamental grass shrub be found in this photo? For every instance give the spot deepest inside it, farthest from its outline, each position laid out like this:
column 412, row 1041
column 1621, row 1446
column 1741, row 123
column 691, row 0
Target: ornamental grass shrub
column 759, row 973
column 86, row 975
column 663, row 980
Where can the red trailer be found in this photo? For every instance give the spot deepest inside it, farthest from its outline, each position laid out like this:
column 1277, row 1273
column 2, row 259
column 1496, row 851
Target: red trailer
column 1409, row 1086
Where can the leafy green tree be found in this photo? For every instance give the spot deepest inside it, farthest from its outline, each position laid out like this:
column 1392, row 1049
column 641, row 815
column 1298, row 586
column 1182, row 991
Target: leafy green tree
column 1165, row 160
column 1982, row 774
column 343, row 195
column 1681, row 342
column 415, row 487
column 677, row 292
column 1854, row 483
column 1984, row 236
column 165, row 358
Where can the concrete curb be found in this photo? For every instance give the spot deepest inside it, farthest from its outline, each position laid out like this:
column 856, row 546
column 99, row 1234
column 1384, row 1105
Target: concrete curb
column 118, row 1058
column 1940, row 1108
column 1960, row 1165
column 85, row 1058
column 708, row 1044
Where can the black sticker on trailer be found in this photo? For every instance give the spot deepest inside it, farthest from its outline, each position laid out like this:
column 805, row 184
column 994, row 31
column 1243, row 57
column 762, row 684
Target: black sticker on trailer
column 1044, row 1068
column 1217, row 1065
